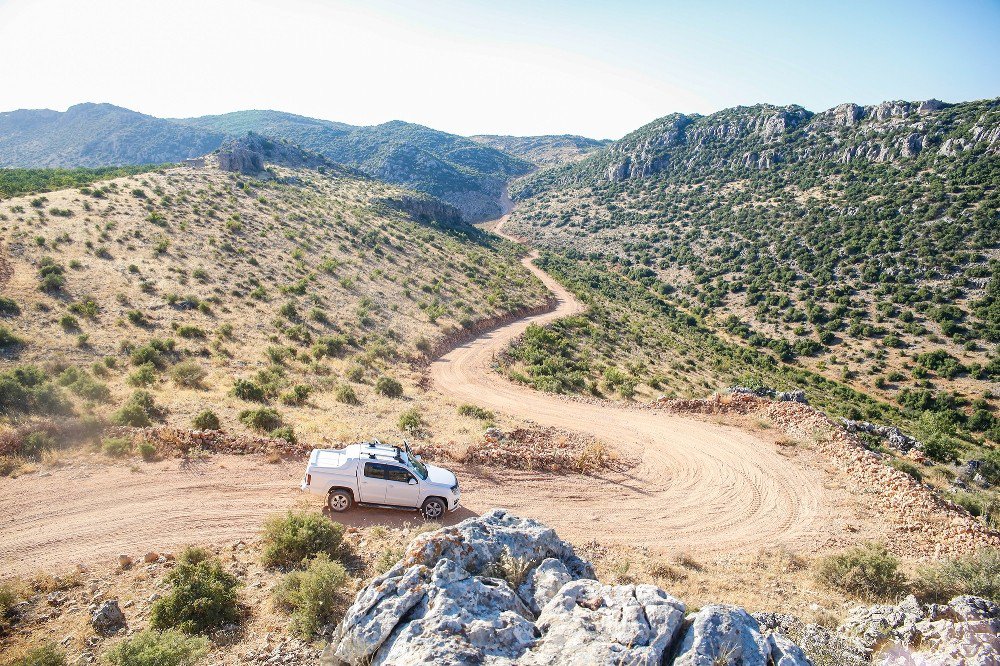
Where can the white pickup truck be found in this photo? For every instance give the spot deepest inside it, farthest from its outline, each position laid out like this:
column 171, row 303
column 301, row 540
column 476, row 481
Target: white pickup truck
column 377, row 474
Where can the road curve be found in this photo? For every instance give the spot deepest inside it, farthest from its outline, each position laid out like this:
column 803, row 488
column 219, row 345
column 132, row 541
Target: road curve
column 700, row 486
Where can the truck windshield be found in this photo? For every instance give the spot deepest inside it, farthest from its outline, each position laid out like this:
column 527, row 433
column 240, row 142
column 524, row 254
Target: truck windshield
column 419, row 468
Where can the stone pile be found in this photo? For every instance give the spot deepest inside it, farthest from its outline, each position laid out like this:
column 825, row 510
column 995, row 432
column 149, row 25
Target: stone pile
column 797, row 395
column 892, row 435
column 926, row 525
column 965, row 631
column 500, row 589
column 171, row 441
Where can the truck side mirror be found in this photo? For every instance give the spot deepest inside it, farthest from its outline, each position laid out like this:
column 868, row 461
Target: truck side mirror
column 412, row 481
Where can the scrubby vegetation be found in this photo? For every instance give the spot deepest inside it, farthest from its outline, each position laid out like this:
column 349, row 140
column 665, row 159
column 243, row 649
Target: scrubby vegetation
column 203, row 595
column 868, row 572
column 158, row 648
column 291, row 538
column 311, row 594
column 977, row 574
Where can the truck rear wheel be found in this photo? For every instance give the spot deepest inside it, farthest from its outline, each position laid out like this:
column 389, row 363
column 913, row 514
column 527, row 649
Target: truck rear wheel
column 339, row 501
column 433, row 508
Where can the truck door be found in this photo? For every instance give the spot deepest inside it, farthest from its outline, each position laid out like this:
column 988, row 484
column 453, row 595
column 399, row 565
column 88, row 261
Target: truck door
column 399, row 491
column 371, row 484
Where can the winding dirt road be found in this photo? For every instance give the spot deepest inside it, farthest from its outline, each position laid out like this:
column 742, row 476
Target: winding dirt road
column 701, row 486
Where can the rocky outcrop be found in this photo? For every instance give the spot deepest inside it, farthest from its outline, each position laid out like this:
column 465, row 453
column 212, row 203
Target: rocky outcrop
column 108, row 619
column 249, row 153
column 965, row 631
column 500, row 589
column 425, row 208
column 895, row 437
column 795, row 395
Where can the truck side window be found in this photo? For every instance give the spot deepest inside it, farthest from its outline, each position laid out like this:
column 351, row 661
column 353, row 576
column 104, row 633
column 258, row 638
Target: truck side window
column 393, row 473
column 374, row 471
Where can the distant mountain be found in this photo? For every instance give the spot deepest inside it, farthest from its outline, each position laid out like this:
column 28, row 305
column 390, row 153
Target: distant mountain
column 308, row 133
column 90, row 135
column 544, row 151
column 467, row 174
column 457, row 170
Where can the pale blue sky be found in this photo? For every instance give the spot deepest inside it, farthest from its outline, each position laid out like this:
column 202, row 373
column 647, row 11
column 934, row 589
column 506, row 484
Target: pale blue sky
column 501, row 66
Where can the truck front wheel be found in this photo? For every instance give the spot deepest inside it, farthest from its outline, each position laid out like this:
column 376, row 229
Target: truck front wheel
column 433, row 508
column 339, row 501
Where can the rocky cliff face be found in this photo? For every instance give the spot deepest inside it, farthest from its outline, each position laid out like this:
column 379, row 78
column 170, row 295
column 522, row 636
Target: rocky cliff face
column 763, row 136
column 248, row 154
column 499, row 589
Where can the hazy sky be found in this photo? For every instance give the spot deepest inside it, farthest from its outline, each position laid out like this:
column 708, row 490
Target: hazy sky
column 499, row 66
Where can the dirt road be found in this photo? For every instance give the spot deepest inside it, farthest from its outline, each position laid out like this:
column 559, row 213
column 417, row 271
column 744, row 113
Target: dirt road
column 700, row 486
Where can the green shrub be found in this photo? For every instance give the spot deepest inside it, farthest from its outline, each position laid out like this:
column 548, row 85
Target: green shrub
column 389, row 387
column 977, row 574
column 206, row 420
column 144, row 375
column 868, row 571
column 139, row 410
column 345, row 394
column 907, row 468
column 189, row 331
column 154, row 352
column 330, row 345
column 8, row 339
column 50, row 275
column 476, row 412
column 158, row 648
column 188, row 373
column 286, row 433
column 411, row 420
column 203, row 595
column 69, row 323
column 136, row 317
column 27, row 389
column 295, row 536
column 354, row 373
column 248, row 390
column 8, row 307
column 116, row 447
column 264, row 419
column 386, row 560
column 297, row 395
column 147, row 450
column 310, row 595
column 44, row 655
column 82, row 384
column 10, row 596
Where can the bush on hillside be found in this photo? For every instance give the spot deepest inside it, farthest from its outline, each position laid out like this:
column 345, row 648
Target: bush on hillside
column 203, row 595
column 310, row 595
column 286, row 433
column 977, row 574
column 158, row 648
column 389, row 387
column 345, row 394
column 868, row 571
column 248, row 390
column 411, row 421
column 116, row 447
column 264, row 419
column 139, row 410
column 43, row 655
column 206, row 419
column 188, row 373
column 293, row 537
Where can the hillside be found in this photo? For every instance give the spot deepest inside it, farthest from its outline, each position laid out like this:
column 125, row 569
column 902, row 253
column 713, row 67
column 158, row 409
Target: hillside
column 544, row 151
column 91, row 135
column 289, row 290
column 854, row 254
column 462, row 172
